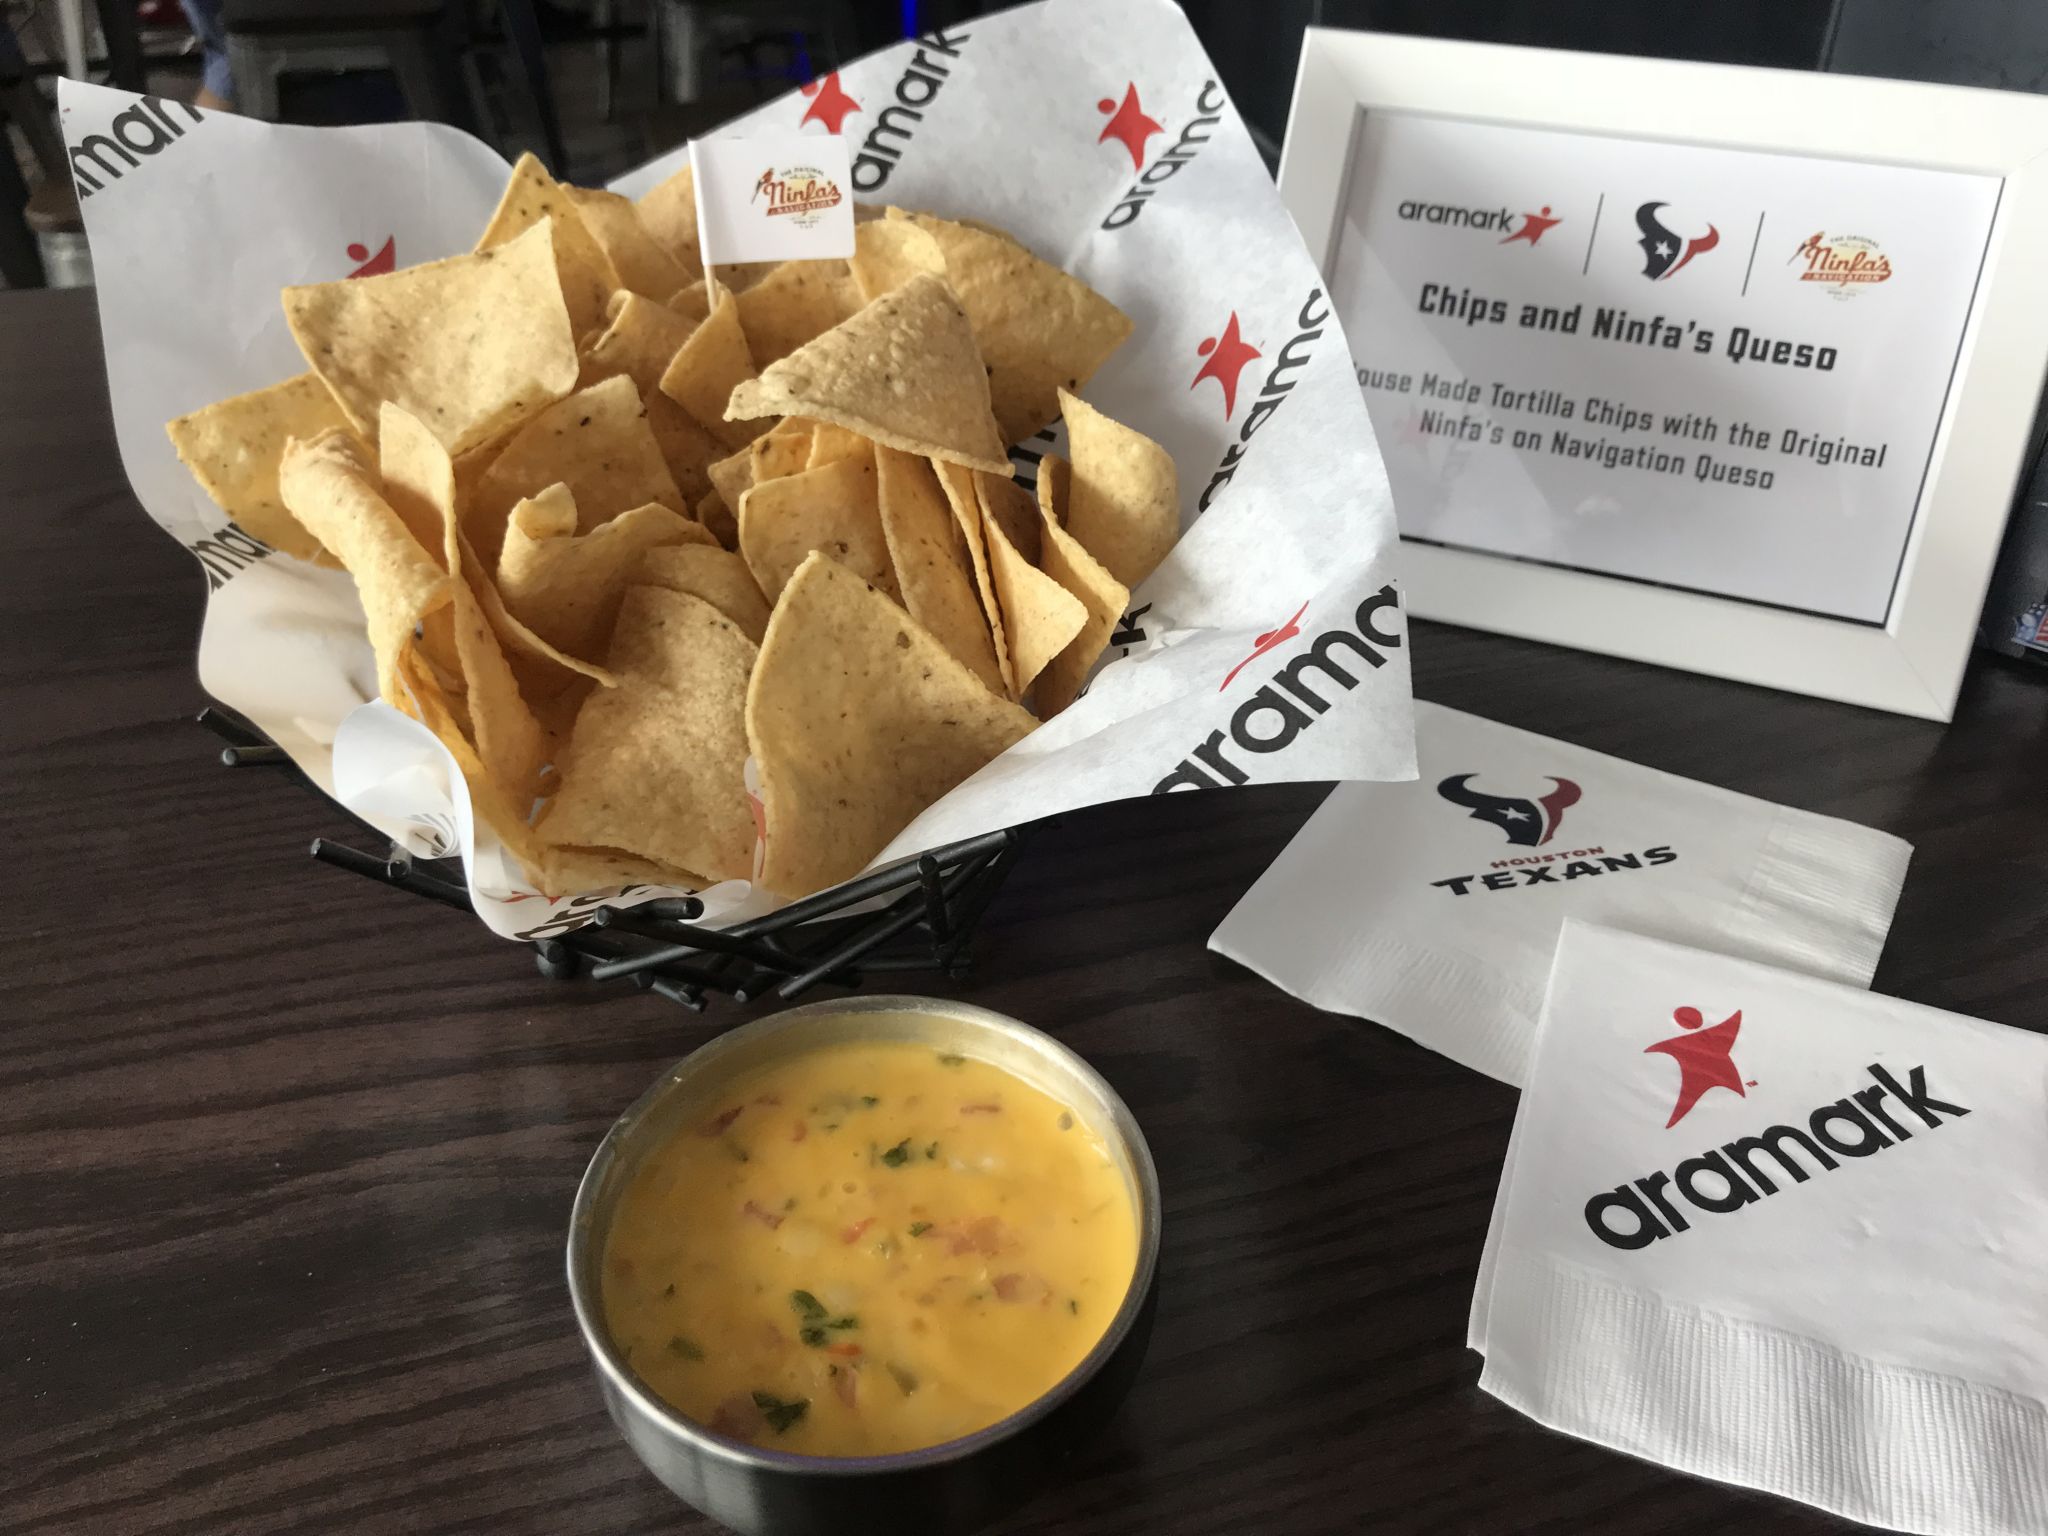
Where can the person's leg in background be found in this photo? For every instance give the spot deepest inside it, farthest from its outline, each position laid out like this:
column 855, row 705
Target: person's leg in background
column 217, row 87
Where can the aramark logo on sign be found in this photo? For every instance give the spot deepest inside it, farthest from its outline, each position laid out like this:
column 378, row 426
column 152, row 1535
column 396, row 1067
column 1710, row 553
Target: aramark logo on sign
column 895, row 125
column 1129, row 126
column 1272, row 719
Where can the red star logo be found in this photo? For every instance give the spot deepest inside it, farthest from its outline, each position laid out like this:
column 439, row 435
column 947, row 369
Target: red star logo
column 829, row 104
column 1227, row 358
column 1704, row 1059
column 1533, row 227
column 1128, row 125
column 1271, row 639
column 386, row 259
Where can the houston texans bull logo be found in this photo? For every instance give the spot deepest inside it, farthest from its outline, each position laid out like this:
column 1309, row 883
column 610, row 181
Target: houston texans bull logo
column 1664, row 251
column 1527, row 823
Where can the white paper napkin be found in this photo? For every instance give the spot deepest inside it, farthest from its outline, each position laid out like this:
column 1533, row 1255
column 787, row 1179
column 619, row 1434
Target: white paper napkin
column 1433, row 907
column 1779, row 1232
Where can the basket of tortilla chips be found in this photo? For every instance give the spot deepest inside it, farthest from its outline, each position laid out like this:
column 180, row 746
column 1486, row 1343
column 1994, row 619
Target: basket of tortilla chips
column 531, row 539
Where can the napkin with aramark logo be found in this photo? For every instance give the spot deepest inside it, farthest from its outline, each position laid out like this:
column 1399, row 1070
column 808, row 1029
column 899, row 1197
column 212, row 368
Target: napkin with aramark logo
column 1779, row 1232
column 1433, row 907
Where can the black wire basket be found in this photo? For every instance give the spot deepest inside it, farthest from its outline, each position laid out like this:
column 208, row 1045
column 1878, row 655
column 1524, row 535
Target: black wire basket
column 918, row 915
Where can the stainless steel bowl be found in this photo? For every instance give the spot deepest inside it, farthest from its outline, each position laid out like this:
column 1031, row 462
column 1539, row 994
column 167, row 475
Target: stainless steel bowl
column 944, row 1488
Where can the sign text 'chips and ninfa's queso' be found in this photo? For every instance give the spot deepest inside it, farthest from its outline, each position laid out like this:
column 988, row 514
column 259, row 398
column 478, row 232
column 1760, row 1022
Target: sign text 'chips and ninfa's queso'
column 620, row 525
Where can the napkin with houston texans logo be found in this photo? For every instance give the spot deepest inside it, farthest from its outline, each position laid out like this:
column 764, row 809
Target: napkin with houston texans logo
column 1433, row 907
column 1779, row 1232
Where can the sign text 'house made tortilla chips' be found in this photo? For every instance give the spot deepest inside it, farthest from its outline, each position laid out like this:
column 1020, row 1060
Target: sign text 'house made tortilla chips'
column 626, row 533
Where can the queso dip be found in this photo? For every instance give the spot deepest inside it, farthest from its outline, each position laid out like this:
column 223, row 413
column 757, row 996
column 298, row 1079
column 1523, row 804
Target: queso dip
column 868, row 1248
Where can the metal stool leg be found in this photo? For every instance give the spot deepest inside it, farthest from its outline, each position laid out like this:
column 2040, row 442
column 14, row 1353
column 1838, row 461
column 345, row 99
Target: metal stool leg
column 21, row 263
column 255, row 69
column 522, row 29
column 419, row 77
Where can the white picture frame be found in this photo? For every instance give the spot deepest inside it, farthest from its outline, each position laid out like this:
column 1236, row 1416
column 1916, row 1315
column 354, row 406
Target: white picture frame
column 1913, row 663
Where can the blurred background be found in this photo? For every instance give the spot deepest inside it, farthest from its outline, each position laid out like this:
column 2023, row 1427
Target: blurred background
column 596, row 86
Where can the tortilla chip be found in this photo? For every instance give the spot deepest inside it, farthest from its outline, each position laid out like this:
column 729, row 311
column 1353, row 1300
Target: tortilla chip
column 596, row 442
column 419, row 482
column 931, row 564
column 233, row 446
column 733, row 475
column 958, row 483
column 692, row 302
column 532, row 197
column 656, row 766
column 833, row 509
column 541, row 666
column 329, row 486
column 784, row 449
column 1041, row 618
column 473, row 345
column 566, row 586
column 738, row 276
column 686, row 448
column 903, row 371
column 641, row 341
column 586, row 871
column 887, row 253
column 1055, row 487
column 717, row 575
column 642, row 263
column 1124, row 505
column 858, row 720
column 796, row 302
column 1066, row 562
column 668, row 212
column 1038, row 328
column 719, row 520
column 829, row 444
column 711, row 363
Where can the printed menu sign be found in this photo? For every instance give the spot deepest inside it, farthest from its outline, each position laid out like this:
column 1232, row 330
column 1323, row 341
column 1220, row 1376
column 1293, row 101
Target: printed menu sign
column 1719, row 370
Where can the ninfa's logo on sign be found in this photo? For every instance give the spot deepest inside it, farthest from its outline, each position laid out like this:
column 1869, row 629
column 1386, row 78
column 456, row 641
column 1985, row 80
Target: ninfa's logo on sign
column 800, row 193
column 1844, row 264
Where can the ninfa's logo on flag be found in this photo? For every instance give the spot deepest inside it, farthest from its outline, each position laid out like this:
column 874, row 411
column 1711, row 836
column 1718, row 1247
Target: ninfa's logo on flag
column 776, row 195
column 801, row 193
column 1721, row 1180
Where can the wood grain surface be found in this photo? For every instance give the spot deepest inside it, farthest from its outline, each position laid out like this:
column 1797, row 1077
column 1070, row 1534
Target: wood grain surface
column 286, row 1160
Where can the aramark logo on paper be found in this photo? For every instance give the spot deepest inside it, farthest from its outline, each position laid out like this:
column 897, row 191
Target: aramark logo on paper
column 1271, row 640
column 1738, row 1173
column 1705, row 1059
column 1131, row 127
column 1273, row 719
column 1529, row 823
column 1664, row 252
column 384, row 260
column 147, row 128
column 896, row 124
column 1227, row 355
column 1128, row 124
column 830, row 105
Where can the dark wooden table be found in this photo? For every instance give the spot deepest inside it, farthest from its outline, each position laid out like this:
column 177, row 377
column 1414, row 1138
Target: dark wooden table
column 286, row 1161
